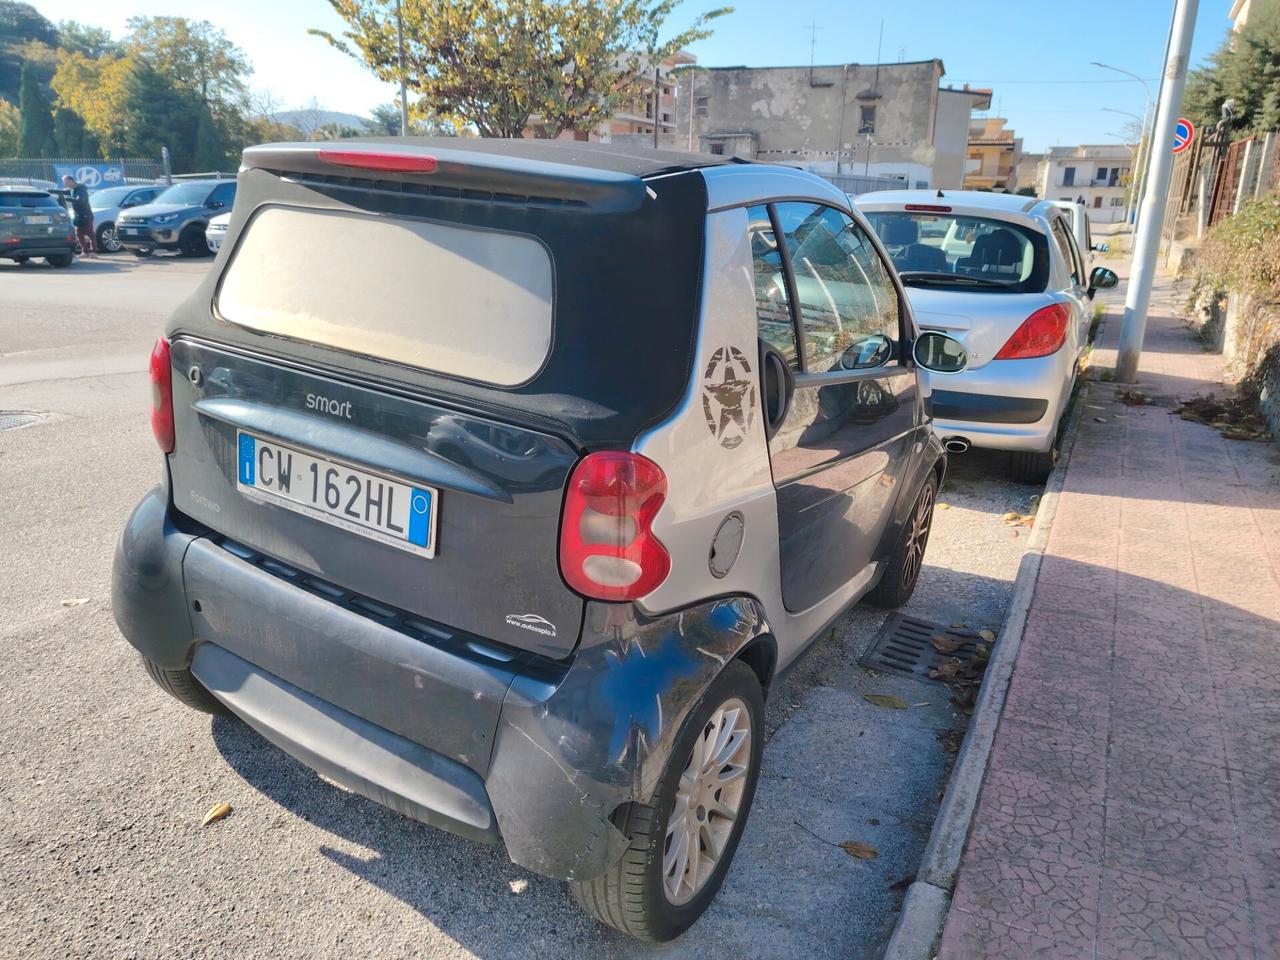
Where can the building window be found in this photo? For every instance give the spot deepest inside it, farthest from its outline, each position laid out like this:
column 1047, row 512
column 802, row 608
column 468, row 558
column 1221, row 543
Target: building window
column 867, row 119
column 1068, row 176
column 700, row 105
column 717, row 149
column 1101, row 174
column 1117, row 201
column 666, row 118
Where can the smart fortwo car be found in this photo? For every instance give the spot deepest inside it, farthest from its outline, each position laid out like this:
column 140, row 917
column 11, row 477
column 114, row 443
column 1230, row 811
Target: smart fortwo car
column 464, row 511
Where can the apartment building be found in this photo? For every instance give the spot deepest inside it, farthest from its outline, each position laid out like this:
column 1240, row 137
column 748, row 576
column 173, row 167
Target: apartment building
column 851, row 120
column 1096, row 175
column 994, row 152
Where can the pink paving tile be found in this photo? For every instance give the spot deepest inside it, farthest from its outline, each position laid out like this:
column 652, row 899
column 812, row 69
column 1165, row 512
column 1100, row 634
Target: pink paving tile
column 1261, row 845
column 1143, row 919
column 1051, row 755
column 1020, row 809
column 1168, row 732
column 1021, row 885
column 1071, row 706
column 1066, row 600
column 970, row 937
column 1169, row 848
column 1188, row 789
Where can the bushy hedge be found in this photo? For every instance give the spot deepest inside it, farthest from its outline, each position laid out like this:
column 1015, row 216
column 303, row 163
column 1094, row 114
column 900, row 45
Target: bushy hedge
column 1241, row 254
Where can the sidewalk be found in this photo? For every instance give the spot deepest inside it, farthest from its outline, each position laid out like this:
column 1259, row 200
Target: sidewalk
column 1131, row 806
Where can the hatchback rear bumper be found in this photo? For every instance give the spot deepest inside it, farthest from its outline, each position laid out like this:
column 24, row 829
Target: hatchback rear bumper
column 38, row 248
column 483, row 741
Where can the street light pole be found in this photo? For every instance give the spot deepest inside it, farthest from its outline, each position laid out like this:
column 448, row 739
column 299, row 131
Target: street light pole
column 1156, row 192
column 1146, row 107
column 1135, row 159
column 404, row 86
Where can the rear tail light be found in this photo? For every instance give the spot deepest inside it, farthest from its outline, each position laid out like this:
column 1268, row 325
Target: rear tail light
column 1041, row 334
column 162, row 396
column 392, row 162
column 607, row 547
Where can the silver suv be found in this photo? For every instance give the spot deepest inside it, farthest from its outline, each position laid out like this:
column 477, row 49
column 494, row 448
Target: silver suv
column 505, row 478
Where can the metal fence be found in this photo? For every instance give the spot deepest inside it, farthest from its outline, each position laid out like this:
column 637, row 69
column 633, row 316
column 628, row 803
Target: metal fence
column 42, row 172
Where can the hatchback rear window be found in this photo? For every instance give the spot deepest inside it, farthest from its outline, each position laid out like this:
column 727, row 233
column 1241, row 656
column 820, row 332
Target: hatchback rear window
column 27, row 200
column 469, row 303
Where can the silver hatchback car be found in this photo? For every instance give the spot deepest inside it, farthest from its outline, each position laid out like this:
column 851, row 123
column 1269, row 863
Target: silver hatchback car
column 1003, row 275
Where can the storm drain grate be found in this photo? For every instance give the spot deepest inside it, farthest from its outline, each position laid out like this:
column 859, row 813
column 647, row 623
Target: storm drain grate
column 904, row 645
column 12, row 419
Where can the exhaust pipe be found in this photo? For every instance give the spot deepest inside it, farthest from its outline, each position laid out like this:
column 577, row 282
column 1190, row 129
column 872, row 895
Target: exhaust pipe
column 955, row 444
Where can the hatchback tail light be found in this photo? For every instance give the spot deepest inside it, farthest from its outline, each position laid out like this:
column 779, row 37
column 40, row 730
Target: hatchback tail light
column 162, row 396
column 1040, row 334
column 607, row 547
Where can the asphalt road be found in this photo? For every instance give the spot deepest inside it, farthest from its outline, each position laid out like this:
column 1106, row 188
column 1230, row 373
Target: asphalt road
column 104, row 780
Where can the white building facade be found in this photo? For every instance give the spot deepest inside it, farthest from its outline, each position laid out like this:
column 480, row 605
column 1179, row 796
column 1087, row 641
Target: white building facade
column 1096, row 175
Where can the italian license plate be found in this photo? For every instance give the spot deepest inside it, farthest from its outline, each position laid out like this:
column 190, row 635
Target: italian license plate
column 129, row 231
column 34, row 220
column 392, row 512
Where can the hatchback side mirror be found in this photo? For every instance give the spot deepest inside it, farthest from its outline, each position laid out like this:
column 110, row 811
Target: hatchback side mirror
column 940, row 353
column 1101, row 279
column 866, row 353
column 215, row 204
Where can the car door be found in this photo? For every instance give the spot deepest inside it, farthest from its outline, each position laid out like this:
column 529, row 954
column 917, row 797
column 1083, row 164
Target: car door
column 839, row 453
column 1075, row 288
column 222, row 197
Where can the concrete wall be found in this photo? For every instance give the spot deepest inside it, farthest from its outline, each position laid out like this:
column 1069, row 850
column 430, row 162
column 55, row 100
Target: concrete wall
column 951, row 138
column 812, row 120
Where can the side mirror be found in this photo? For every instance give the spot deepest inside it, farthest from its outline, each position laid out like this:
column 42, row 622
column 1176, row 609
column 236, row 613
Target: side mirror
column 866, row 353
column 1102, row 247
column 1101, row 279
column 215, row 204
column 940, row 353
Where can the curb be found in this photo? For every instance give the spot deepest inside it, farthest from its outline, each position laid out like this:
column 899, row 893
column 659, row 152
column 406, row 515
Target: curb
column 924, row 911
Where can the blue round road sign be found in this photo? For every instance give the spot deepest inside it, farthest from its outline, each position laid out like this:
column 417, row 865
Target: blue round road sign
column 1183, row 134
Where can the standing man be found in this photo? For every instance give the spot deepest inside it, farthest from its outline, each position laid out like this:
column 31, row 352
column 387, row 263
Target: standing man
column 81, row 213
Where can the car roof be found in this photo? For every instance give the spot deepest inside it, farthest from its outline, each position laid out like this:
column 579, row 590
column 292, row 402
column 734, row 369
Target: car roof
column 1006, row 205
column 15, row 191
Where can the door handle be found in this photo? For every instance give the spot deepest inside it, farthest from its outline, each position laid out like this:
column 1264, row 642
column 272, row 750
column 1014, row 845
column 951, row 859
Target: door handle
column 777, row 386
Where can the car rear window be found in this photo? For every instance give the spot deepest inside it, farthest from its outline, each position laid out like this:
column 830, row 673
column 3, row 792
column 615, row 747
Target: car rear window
column 939, row 248
column 464, row 302
column 27, row 200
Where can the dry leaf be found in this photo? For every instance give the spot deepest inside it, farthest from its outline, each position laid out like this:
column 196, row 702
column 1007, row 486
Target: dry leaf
column 885, row 700
column 1012, row 516
column 943, row 506
column 216, row 813
column 957, row 626
column 75, row 601
column 1099, row 419
column 987, row 635
column 944, row 644
column 948, row 669
column 860, row 850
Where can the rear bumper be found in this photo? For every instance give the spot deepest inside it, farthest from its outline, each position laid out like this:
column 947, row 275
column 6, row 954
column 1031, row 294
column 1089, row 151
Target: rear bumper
column 486, row 742
column 37, row 248
column 1005, row 404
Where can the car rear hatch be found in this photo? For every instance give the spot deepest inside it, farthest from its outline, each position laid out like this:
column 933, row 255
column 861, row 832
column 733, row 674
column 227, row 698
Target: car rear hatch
column 422, row 339
column 32, row 218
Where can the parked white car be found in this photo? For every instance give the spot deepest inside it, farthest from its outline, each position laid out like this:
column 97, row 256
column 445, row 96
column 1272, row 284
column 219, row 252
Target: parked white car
column 1003, row 275
column 1078, row 216
column 216, row 231
column 107, row 204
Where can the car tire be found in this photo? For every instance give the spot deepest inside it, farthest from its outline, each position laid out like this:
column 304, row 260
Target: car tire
column 1033, row 466
column 61, row 260
column 183, row 686
column 192, row 243
column 633, row 895
column 142, row 253
column 903, row 565
column 108, row 242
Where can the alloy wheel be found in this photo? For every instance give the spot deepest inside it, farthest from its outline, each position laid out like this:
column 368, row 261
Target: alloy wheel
column 108, row 240
column 707, row 803
column 918, row 536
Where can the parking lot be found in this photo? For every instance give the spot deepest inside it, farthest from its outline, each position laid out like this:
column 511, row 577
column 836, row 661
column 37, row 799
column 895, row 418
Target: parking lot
column 104, row 780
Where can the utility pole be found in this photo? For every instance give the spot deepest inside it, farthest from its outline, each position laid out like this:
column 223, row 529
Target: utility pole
column 1156, row 191
column 1139, row 184
column 657, row 103
column 404, row 85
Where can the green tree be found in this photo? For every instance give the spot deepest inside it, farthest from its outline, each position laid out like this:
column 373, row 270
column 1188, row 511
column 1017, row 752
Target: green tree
column 71, row 136
column 335, row 131
column 210, row 150
column 157, row 114
column 194, row 55
column 496, row 63
column 384, row 121
column 22, row 30
column 98, row 91
column 1246, row 70
column 81, row 38
column 35, row 138
column 10, row 128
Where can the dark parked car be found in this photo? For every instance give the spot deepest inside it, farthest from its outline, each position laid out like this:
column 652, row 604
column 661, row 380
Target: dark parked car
column 476, row 520
column 176, row 219
column 108, row 204
column 33, row 223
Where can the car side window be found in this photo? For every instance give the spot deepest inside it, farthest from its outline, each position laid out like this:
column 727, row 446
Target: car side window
column 223, row 193
column 843, row 289
column 1065, row 247
column 773, row 307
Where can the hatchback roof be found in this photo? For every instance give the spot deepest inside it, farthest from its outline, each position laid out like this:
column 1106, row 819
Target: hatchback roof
column 1006, row 202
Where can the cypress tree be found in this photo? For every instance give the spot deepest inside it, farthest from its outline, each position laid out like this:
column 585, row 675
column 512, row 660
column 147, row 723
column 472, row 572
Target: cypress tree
column 35, row 136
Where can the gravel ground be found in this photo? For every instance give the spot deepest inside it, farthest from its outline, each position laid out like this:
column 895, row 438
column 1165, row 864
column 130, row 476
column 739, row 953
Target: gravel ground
column 103, row 780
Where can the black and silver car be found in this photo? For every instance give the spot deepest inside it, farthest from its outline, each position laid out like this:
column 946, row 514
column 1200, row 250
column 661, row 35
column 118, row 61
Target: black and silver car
column 465, row 511
column 108, row 205
column 176, row 219
column 33, row 223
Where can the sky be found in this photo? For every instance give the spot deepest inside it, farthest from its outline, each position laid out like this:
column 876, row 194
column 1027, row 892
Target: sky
column 1034, row 54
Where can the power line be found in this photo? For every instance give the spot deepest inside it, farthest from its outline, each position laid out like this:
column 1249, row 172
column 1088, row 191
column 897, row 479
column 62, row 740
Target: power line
column 984, row 82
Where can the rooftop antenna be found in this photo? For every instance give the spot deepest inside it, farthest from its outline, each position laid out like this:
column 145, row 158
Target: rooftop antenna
column 902, row 54
column 813, row 42
column 875, row 84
